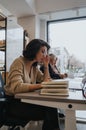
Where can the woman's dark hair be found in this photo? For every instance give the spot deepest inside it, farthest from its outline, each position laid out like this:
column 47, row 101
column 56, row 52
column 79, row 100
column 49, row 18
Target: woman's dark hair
column 33, row 47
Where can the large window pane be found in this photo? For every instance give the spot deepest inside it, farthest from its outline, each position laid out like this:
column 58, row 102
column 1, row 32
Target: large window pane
column 68, row 41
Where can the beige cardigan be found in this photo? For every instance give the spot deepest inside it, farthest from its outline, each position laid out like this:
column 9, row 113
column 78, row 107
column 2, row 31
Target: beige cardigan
column 18, row 77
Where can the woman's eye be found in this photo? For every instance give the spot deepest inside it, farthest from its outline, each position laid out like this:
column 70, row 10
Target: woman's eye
column 43, row 52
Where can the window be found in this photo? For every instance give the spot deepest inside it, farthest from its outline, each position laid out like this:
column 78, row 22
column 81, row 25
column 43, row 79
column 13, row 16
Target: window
column 68, row 42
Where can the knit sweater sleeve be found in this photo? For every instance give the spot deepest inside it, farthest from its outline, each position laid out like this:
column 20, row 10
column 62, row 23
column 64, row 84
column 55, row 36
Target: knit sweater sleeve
column 16, row 83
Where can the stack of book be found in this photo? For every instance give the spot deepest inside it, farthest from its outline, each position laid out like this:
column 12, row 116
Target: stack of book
column 55, row 87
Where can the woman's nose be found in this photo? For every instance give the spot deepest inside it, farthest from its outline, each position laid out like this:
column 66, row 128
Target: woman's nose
column 44, row 54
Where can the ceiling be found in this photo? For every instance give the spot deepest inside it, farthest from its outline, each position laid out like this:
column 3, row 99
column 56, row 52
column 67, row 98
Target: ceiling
column 23, row 8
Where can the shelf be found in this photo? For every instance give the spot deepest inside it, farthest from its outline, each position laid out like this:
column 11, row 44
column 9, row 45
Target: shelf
column 2, row 49
column 3, row 28
column 2, row 24
column 2, row 69
column 2, row 45
column 2, row 17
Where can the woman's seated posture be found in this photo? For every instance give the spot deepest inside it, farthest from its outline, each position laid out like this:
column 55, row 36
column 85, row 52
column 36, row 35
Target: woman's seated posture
column 23, row 76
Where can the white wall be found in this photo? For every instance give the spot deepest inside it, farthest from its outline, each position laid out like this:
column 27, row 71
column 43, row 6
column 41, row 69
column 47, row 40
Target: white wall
column 43, row 30
column 28, row 23
column 36, row 25
column 14, row 44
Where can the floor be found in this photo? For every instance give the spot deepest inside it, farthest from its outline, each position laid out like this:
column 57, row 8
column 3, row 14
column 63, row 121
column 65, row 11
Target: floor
column 80, row 126
column 38, row 126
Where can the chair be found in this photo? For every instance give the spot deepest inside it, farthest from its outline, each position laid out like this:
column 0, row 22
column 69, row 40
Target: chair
column 5, row 118
column 4, row 76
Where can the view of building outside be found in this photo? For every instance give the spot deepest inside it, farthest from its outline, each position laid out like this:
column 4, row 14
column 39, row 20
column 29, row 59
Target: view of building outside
column 68, row 43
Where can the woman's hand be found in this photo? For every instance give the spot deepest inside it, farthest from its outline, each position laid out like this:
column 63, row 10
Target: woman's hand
column 65, row 75
column 47, row 80
column 46, row 60
column 35, row 87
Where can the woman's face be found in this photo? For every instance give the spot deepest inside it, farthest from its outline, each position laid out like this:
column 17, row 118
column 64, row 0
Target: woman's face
column 53, row 60
column 41, row 54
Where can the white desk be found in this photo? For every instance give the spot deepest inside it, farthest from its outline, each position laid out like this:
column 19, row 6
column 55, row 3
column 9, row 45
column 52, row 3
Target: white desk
column 75, row 101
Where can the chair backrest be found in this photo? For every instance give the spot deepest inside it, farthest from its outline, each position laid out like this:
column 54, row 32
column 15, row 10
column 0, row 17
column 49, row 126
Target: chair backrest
column 4, row 77
column 7, row 118
column 2, row 94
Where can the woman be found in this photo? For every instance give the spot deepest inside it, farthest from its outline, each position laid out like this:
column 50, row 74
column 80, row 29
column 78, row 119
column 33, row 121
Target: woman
column 23, row 76
column 53, row 70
